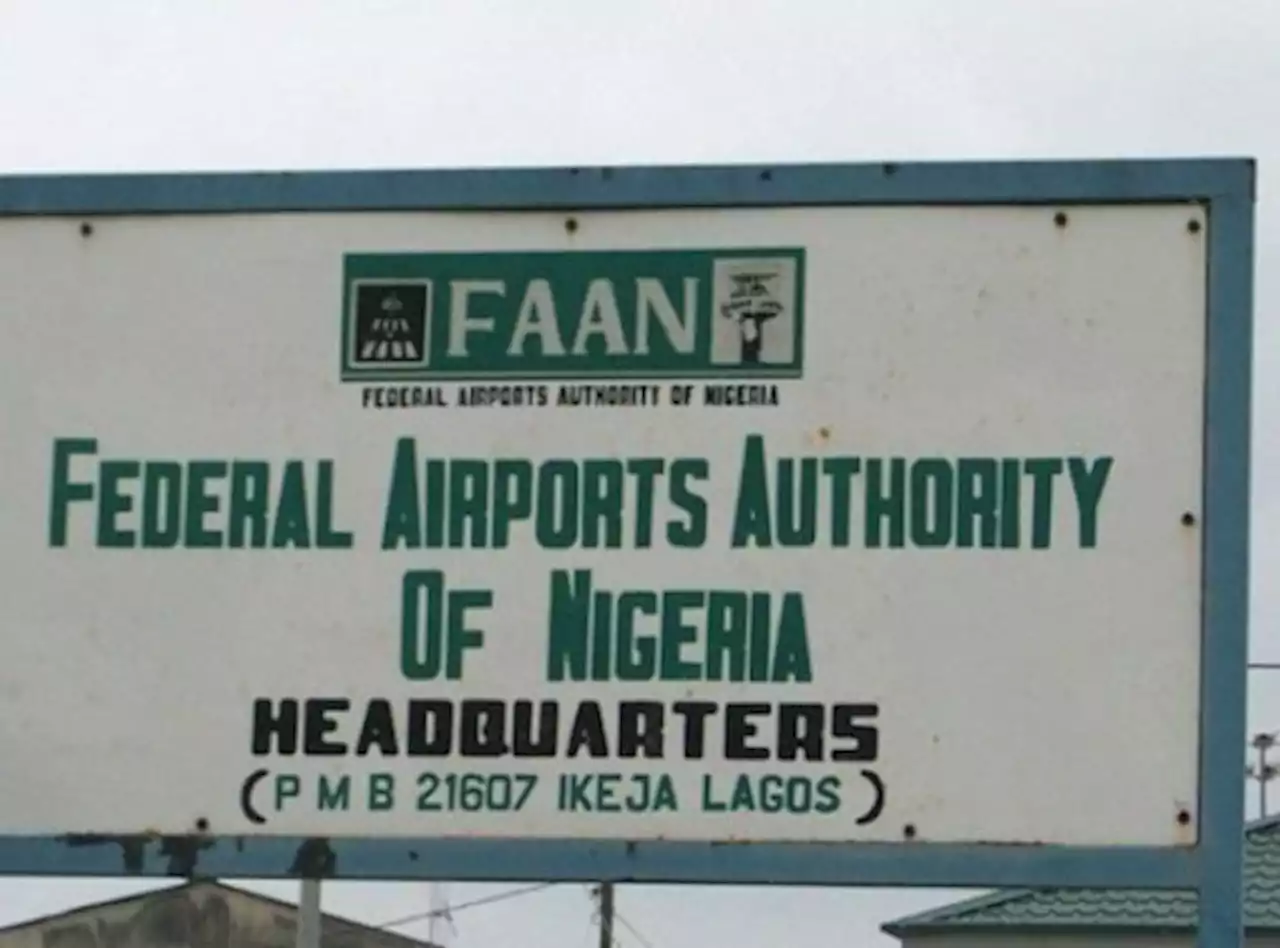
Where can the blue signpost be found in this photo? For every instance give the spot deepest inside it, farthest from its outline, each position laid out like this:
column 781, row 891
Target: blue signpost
column 1211, row 865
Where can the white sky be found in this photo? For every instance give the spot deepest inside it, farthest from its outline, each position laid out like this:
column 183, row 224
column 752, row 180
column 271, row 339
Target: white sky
column 254, row 84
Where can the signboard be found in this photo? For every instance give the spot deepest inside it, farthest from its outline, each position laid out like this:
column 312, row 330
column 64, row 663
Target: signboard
column 589, row 517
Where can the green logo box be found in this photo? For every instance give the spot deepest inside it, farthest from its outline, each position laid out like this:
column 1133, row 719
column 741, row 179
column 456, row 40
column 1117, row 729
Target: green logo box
column 650, row 314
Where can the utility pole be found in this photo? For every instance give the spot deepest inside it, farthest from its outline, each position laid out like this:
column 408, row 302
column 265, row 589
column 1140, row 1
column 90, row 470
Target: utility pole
column 1263, row 771
column 606, row 914
column 309, row 919
column 440, row 922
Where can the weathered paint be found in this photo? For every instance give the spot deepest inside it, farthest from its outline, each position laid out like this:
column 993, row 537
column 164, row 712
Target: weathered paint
column 1224, row 187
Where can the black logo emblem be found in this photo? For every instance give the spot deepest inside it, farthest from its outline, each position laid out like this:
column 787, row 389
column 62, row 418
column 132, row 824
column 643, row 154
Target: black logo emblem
column 390, row 323
column 751, row 305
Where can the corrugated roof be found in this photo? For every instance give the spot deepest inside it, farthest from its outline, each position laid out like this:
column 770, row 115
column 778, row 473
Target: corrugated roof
column 1063, row 910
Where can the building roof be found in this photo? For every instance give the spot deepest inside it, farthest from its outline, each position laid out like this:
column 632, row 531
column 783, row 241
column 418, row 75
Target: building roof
column 334, row 929
column 1056, row 911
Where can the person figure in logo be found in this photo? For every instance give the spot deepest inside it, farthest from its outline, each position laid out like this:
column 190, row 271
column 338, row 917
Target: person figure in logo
column 751, row 306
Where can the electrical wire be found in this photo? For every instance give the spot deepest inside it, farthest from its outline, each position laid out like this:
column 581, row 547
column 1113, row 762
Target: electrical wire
column 635, row 932
column 593, row 893
column 474, row 903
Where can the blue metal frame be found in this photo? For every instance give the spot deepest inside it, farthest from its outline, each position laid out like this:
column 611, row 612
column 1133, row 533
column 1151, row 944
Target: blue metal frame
column 1225, row 187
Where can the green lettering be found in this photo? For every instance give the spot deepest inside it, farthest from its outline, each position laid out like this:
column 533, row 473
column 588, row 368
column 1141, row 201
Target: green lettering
column 336, row 795
column 606, row 793
column 602, row 503
column 797, row 507
column 709, row 802
column 726, row 635
column 288, row 786
column 381, row 791
column 161, row 505
column 759, row 635
column 463, row 636
column 976, row 500
column 327, row 538
column 434, row 505
column 791, row 661
column 692, row 534
column 512, row 498
column 886, row 503
column 201, row 503
column 568, row 624
column 469, row 504
column 402, row 516
column 250, row 488
column 772, row 795
column 932, row 502
column 113, row 502
column 828, row 794
column 602, row 637
column 421, row 592
column 664, row 795
column 743, row 798
column 637, row 652
column 292, row 527
column 1042, row 471
column 841, row 471
column 645, row 471
column 1088, row 483
column 751, row 520
column 65, row 491
column 1010, row 503
column 557, row 506
column 677, row 633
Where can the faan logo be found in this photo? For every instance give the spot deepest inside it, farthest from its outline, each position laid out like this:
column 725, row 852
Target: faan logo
column 757, row 298
column 390, row 322
column 602, row 314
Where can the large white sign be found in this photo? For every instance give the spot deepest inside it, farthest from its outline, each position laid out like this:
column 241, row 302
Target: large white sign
column 813, row 524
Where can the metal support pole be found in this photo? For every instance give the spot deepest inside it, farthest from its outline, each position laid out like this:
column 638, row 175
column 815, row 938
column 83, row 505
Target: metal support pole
column 1225, row 550
column 309, row 914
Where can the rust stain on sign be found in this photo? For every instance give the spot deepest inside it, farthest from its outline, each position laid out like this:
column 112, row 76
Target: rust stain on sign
column 314, row 859
column 182, row 852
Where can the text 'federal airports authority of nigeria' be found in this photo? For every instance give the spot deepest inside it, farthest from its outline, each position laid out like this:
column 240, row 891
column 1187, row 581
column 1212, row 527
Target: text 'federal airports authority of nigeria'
column 501, row 750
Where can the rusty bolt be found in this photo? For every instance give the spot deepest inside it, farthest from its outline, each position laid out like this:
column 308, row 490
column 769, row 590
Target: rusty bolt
column 1188, row 519
column 571, row 224
column 909, row 831
column 86, row 229
column 1184, row 818
column 766, row 175
column 890, row 168
column 202, row 825
column 1060, row 219
column 1193, row 226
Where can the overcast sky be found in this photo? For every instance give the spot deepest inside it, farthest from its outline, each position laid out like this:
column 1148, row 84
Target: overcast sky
column 258, row 84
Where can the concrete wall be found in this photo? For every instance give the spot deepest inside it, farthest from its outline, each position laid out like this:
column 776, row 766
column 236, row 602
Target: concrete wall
column 200, row 916
column 1065, row 941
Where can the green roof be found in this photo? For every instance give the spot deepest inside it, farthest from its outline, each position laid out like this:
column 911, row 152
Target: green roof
column 1045, row 911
